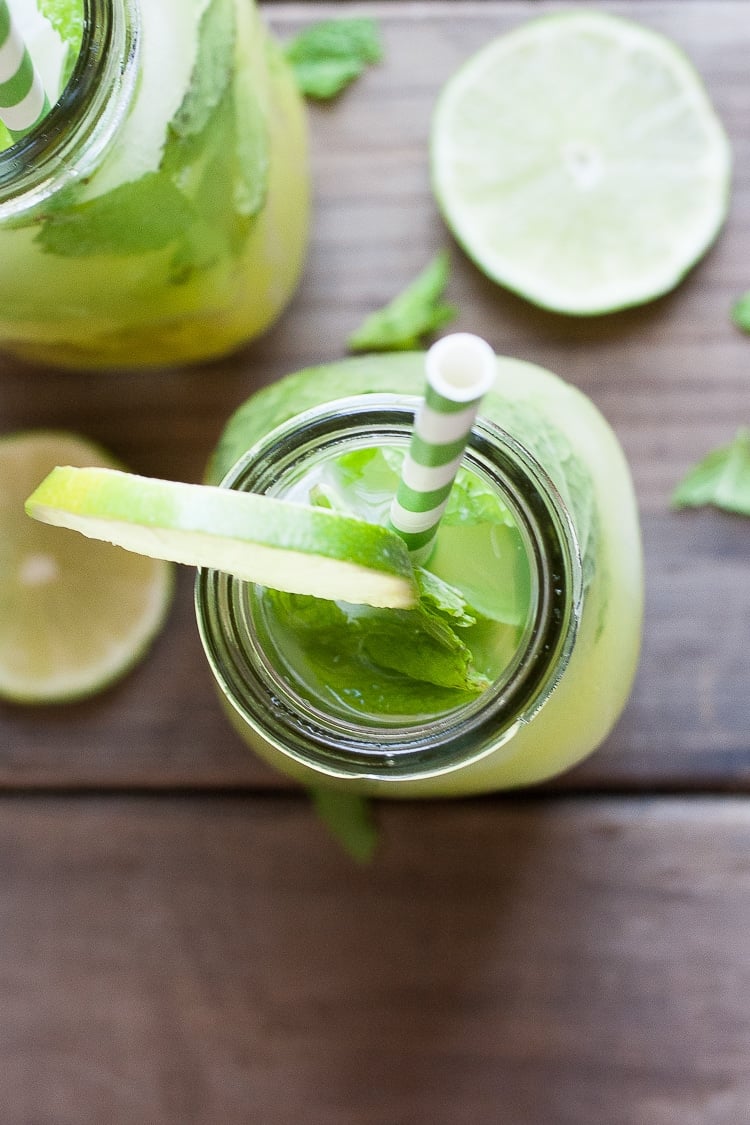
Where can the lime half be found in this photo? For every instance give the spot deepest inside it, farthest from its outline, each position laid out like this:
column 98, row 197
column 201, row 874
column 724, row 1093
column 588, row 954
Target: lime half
column 277, row 543
column 578, row 161
column 74, row 615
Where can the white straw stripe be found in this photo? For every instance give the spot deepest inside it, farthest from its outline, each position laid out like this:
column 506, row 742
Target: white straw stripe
column 26, row 112
column 413, row 522
column 438, row 429
column 11, row 54
column 424, row 479
column 460, row 368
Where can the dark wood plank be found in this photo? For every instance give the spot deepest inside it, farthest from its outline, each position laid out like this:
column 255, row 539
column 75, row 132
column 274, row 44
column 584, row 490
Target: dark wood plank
column 192, row 962
column 671, row 378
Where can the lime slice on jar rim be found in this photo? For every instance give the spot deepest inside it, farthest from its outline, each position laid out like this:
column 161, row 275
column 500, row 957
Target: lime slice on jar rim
column 74, row 615
column 282, row 544
column 578, row 161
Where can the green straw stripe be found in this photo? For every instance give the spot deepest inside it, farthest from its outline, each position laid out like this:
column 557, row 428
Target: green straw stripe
column 460, row 369
column 416, row 521
column 416, row 539
column 442, row 405
column 428, row 478
column 415, row 501
column 23, row 102
column 16, row 88
column 430, row 455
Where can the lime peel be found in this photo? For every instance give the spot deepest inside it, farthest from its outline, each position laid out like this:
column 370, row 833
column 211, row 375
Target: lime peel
column 276, row 543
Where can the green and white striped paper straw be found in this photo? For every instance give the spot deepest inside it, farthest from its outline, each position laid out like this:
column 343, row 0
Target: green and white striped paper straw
column 23, row 101
column 460, row 369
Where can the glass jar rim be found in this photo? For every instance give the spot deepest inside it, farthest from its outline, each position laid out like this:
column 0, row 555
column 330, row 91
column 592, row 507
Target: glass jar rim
column 70, row 140
column 342, row 749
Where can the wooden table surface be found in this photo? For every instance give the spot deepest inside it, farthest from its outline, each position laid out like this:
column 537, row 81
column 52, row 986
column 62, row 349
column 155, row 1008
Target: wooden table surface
column 180, row 941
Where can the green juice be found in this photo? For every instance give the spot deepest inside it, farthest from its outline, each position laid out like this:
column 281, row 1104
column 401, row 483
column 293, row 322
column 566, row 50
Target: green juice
column 406, row 666
column 345, row 704
column 168, row 219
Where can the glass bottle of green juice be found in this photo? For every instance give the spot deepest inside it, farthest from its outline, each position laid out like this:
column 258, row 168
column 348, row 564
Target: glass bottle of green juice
column 158, row 213
column 522, row 653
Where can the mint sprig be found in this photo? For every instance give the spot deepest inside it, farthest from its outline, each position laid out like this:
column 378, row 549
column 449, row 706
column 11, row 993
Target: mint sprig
column 348, row 817
column 331, row 54
column 420, row 644
column 212, row 71
column 416, row 312
column 721, row 478
column 741, row 312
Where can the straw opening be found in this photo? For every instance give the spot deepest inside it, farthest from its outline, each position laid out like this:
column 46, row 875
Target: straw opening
column 461, row 367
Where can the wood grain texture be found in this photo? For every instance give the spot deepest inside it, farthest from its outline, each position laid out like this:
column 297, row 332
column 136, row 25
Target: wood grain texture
column 191, row 962
column 672, row 378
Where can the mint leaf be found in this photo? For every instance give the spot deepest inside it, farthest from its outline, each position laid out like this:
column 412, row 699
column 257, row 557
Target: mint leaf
column 329, row 55
column 251, row 148
column 741, row 312
column 133, row 218
column 441, row 597
column 722, row 478
column 212, row 71
column 217, row 149
column 322, row 79
column 348, row 818
column 472, row 501
column 343, row 647
column 414, row 313
column 221, row 115
column 420, row 644
column 67, row 21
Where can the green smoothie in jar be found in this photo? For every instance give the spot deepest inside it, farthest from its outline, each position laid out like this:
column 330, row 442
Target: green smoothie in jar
column 157, row 214
column 521, row 654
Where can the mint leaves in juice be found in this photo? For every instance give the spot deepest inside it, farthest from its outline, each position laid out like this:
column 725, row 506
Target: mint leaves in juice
column 187, row 233
column 406, row 666
column 211, row 180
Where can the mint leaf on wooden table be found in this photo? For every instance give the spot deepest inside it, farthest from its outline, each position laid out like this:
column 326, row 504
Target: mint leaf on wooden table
column 722, row 478
column 349, row 819
column 329, row 55
column 741, row 312
column 414, row 313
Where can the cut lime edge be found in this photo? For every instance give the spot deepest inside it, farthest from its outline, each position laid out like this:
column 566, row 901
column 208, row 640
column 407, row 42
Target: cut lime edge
column 65, row 688
column 504, row 274
column 262, row 539
column 78, row 683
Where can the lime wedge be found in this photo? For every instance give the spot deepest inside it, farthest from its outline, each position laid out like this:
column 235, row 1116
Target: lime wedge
column 74, row 615
column 277, row 543
column 579, row 162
